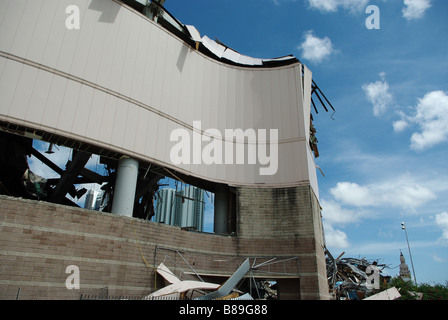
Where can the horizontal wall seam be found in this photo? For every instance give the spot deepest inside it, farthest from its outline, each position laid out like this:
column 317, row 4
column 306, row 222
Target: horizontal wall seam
column 69, row 258
column 62, row 286
column 122, row 96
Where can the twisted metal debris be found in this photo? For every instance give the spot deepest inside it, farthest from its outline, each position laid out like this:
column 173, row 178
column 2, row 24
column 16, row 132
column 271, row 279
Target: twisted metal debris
column 347, row 278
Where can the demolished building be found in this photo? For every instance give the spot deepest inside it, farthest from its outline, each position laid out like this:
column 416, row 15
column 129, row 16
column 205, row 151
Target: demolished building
column 118, row 88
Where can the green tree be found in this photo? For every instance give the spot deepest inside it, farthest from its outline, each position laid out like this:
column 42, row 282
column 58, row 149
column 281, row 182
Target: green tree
column 409, row 291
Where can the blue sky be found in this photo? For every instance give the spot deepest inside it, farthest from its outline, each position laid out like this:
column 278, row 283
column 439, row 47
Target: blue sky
column 384, row 155
column 384, row 151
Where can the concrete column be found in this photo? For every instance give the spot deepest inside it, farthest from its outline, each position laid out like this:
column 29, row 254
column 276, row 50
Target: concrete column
column 125, row 186
column 221, row 209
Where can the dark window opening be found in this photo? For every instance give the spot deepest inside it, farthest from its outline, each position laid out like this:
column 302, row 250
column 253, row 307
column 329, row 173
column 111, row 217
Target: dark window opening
column 62, row 171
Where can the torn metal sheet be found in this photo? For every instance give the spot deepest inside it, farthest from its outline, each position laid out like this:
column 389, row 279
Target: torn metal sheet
column 194, row 33
column 167, row 274
column 214, row 47
column 230, row 284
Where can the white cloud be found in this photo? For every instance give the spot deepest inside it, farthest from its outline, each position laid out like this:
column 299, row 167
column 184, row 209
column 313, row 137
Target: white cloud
column 352, row 194
column 314, row 48
column 335, row 238
column 442, row 222
column 431, row 115
column 334, row 5
column 378, row 94
column 333, row 213
column 400, row 125
column 415, row 9
column 400, row 192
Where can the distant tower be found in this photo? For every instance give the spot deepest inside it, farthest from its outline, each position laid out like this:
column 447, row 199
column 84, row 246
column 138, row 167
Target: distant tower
column 166, row 206
column 183, row 208
column 191, row 208
column 90, row 197
column 405, row 274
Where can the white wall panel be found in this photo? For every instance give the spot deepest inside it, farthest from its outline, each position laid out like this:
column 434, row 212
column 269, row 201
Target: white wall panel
column 53, row 105
column 96, row 115
column 42, row 30
column 83, row 106
column 307, row 100
column 131, row 126
column 141, row 131
column 106, row 126
column 25, row 27
column 10, row 23
column 8, row 83
column 56, row 35
column 125, row 83
column 69, row 106
column 22, row 95
column 119, row 123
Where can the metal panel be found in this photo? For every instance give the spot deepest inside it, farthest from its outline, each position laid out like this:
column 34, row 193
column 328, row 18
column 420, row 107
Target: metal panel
column 194, row 33
column 96, row 115
column 22, row 96
column 81, row 118
column 107, row 129
column 39, row 98
column 9, row 24
column 9, row 79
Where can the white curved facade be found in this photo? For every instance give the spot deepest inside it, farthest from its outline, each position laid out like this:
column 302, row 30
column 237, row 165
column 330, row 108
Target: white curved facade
column 124, row 83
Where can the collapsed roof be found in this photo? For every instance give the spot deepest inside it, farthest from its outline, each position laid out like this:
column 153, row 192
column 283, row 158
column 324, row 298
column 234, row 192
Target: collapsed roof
column 214, row 48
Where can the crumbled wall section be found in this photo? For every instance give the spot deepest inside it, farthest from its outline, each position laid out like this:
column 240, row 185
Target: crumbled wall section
column 116, row 255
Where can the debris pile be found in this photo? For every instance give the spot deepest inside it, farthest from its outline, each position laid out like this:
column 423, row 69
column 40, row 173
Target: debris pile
column 209, row 291
column 349, row 278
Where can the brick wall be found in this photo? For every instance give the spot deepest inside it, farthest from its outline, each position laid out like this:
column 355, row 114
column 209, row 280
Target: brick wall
column 116, row 254
column 292, row 217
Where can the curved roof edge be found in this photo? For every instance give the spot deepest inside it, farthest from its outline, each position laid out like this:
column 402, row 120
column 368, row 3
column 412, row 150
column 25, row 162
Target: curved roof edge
column 204, row 44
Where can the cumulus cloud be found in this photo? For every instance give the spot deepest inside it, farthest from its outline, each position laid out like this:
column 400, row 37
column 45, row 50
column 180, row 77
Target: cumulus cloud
column 442, row 222
column 378, row 94
column 352, row 194
column 335, row 238
column 334, row 5
column 400, row 125
column 314, row 48
column 431, row 116
column 415, row 9
column 333, row 214
column 400, row 192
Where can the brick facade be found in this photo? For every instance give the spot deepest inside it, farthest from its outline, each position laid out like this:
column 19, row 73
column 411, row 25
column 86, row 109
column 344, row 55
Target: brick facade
column 38, row 240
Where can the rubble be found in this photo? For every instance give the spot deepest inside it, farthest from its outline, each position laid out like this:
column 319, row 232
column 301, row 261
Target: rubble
column 347, row 277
